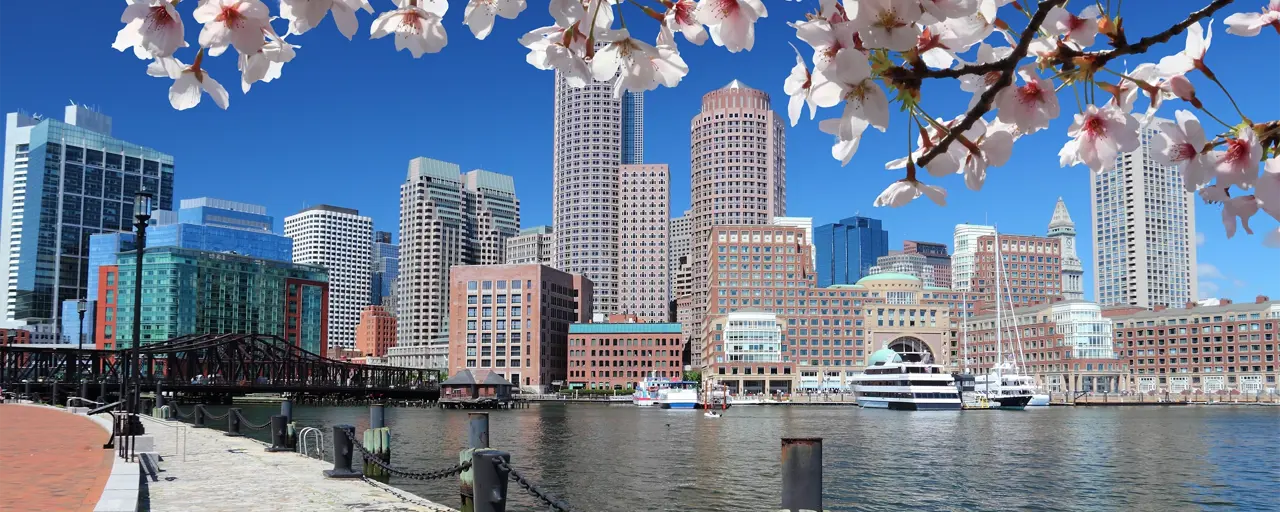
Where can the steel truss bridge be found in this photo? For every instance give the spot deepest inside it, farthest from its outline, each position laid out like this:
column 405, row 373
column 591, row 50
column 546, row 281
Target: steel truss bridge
column 211, row 364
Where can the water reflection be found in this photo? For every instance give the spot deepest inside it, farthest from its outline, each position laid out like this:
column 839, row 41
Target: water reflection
column 619, row 458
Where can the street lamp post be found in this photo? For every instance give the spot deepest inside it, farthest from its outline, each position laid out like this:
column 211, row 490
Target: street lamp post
column 142, row 203
column 81, row 306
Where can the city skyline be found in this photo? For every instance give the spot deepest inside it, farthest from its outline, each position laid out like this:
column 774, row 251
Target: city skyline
column 1228, row 265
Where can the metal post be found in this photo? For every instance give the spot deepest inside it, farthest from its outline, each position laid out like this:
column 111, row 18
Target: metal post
column 53, row 397
column 102, row 391
column 233, row 422
column 279, row 435
column 477, row 437
column 342, row 452
column 801, row 473
column 159, row 395
column 286, row 410
column 26, row 389
column 377, row 416
column 135, row 356
column 490, row 480
column 197, row 418
column 84, row 390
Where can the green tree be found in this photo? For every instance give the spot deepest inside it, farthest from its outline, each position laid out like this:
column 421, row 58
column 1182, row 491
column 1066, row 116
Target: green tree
column 693, row 375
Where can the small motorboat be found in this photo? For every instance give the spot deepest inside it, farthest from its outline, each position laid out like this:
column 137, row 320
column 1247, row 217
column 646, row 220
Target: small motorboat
column 711, row 414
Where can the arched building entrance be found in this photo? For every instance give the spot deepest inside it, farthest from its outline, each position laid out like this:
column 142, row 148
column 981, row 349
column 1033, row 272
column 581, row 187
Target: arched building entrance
column 912, row 349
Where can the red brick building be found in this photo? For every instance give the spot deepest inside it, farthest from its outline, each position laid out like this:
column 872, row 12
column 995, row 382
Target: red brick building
column 623, row 351
column 1228, row 348
column 376, row 332
column 14, row 336
column 514, row 320
column 1032, row 271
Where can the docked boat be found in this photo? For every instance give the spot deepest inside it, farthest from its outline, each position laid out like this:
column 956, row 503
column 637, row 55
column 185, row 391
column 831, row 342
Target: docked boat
column 679, row 395
column 890, row 382
column 646, row 394
column 1004, row 386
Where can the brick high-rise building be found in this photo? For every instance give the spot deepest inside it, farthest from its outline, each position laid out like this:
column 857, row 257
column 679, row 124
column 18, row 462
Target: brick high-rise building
column 376, row 332
column 593, row 135
column 642, row 258
column 738, row 171
column 1065, row 346
column 679, row 245
column 623, row 351
column 514, row 320
column 1032, row 271
column 447, row 218
column 936, row 256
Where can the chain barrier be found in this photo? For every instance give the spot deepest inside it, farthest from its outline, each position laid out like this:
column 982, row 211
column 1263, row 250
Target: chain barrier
column 244, row 422
column 532, row 488
column 187, row 416
column 215, row 418
column 428, row 475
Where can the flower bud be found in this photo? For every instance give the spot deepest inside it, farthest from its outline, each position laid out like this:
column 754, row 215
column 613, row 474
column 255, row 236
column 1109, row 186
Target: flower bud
column 1183, row 89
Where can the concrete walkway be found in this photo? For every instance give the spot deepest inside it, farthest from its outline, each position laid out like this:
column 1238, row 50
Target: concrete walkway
column 51, row 460
column 220, row 473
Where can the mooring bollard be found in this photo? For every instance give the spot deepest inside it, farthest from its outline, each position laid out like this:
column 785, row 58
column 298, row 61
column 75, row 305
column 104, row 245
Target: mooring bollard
column 477, row 437
column 342, row 452
column 102, row 391
column 26, row 389
column 801, row 473
column 233, row 422
column 84, row 390
column 197, row 418
column 377, row 441
column 490, row 481
column 377, row 416
column 286, row 410
column 279, row 435
column 53, row 398
column 159, row 396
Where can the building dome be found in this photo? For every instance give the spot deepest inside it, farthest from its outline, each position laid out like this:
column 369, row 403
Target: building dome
column 884, row 355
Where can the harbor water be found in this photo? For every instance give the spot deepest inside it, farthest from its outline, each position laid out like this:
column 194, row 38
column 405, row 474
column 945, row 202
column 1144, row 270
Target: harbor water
column 624, row 458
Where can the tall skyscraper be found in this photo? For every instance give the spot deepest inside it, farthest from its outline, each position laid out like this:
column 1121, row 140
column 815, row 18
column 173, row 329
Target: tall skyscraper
column 964, row 259
column 64, row 181
column 385, row 267
column 447, row 218
column 679, row 245
column 531, row 245
column 935, row 255
column 847, row 249
column 594, row 135
column 738, row 167
column 1144, row 225
column 340, row 240
column 1062, row 229
column 642, row 261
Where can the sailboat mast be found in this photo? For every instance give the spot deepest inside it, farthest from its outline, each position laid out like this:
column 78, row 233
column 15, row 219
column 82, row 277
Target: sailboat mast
column 964, row 334
column 999, row 343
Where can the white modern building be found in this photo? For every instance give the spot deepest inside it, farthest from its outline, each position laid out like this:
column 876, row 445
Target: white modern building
column 341, row 241
column 535, row 245
column 594, row 134
column 430, row 354
column 63, row 182
column 964, row 258
column 1144, row 243
column 642, row 260
column 1061, row 228
column 807, row 224
column 912, row 264
column 447, row 218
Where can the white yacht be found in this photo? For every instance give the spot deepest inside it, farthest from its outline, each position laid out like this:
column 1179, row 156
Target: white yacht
column 1004, row 386
column 889, row 382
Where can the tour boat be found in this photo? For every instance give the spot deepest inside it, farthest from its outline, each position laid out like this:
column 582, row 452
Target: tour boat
column 679, row 395
column 892, row 383
column 646, row 394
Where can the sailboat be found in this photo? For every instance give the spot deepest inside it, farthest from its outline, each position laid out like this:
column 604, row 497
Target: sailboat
column 1003, row 384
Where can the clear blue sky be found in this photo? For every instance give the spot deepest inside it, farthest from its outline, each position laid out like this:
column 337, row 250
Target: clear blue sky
column 343, row 122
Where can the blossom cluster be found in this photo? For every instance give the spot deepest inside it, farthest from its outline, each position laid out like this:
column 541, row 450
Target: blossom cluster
column 862, row 56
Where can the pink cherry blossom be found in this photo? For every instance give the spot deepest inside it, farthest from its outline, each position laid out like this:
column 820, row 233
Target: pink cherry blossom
column 304, row 15
column 1215, row 193
column 237, row 23
column 267, row 64
column 1081, row 30
column 1182, row 88
column 798, row 86
column 1267, row 189
column 904, row 191
column 948, row 9
column 827, row 39
column 152, row 28
column 889, row 24
column 680, row 16
column 1192, row 56
column 732, row 23
column 994, row 149
column 562, row 46
column 848, row 136
column 1241, row 208
column 863, row 98
column 1099, row 135
column 1029, row 106
column 1248, row 24
column 417, row 27
column 642, row 66
column 188, row 81
column 978, row 84
column 1181, row 144
column 1238, row 164
column 479, row 14
column 942, row 164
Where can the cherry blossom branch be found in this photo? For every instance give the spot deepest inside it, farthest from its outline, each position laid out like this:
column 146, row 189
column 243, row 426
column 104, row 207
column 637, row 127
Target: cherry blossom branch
column 1146, row 43
column 1006, row 78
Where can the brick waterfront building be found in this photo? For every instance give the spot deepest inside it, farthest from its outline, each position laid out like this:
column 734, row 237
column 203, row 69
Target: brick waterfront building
column 1065, row 346
column 514, row 320
column 623, row 351
column 376, row 332
column 1032, row 272
column 1228, row 348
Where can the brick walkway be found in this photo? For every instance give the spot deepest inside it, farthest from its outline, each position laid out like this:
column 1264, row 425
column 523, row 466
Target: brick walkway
column 50, row 460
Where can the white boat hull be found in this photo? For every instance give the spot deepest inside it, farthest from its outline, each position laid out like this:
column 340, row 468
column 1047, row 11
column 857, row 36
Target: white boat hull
column 1038, row 400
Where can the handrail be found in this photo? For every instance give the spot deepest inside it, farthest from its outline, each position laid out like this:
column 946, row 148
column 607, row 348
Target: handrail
column 82, row 399
column 319, row 441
